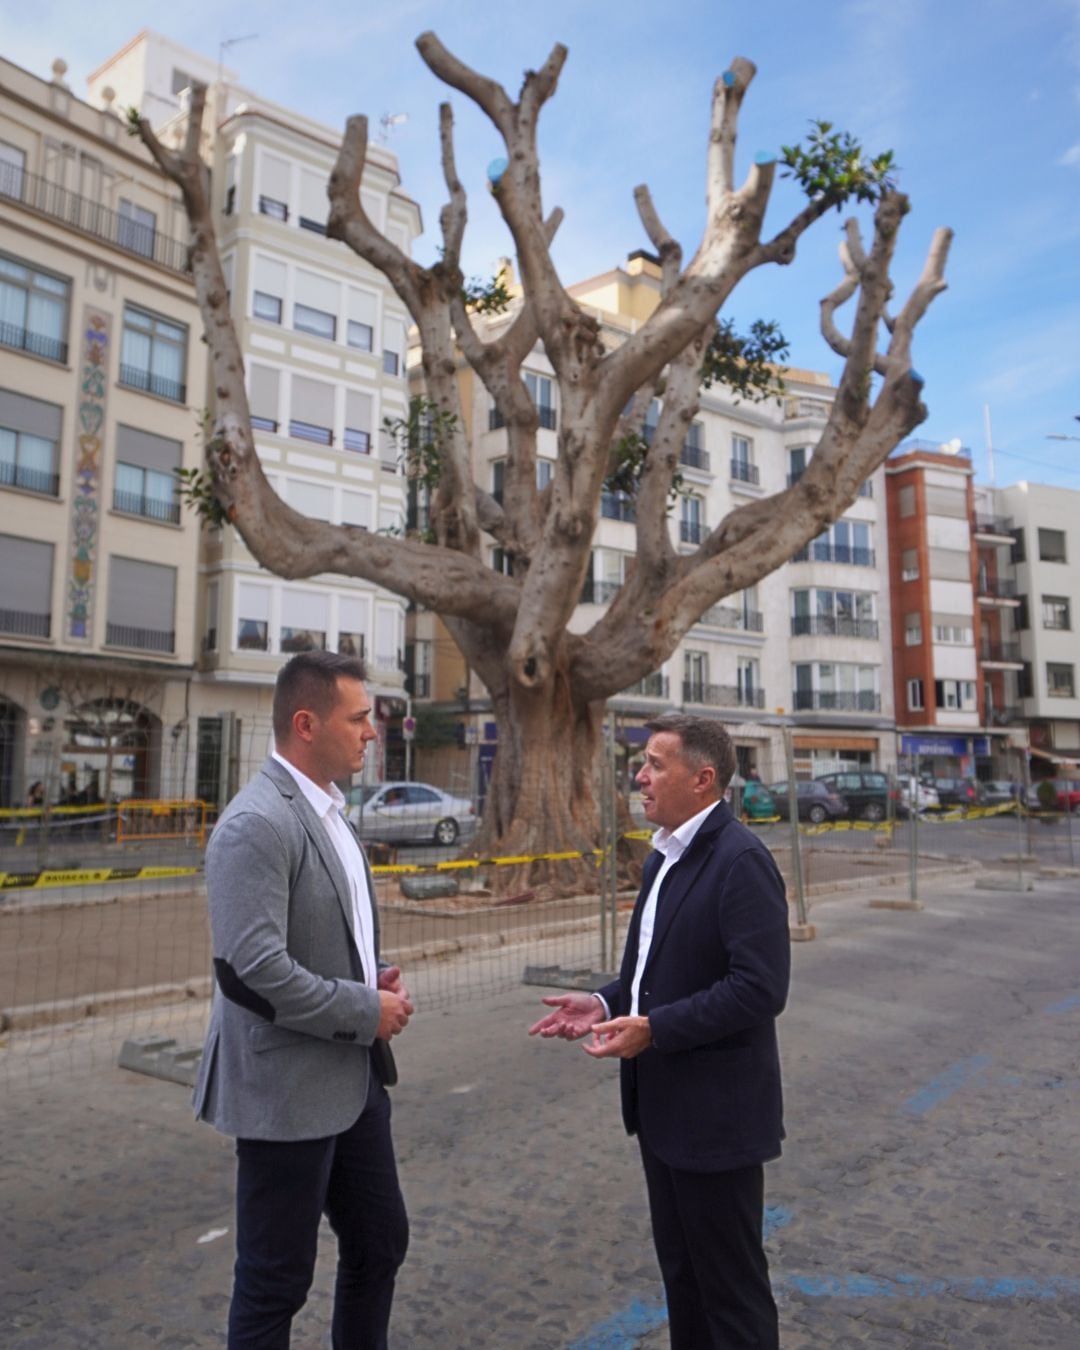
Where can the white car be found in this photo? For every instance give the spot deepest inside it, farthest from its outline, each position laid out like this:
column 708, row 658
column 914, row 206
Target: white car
column 925, row 798
column 409, row 813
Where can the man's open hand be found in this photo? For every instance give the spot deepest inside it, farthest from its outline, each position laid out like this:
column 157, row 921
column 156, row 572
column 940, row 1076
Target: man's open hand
column 575, row 1015
column 621, row 1038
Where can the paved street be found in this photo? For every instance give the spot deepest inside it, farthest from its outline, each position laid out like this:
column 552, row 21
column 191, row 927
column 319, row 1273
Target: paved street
column 927, row 1196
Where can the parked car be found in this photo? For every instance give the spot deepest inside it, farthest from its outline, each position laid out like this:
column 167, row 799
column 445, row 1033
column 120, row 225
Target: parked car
column 1066, row 791
column 816, row 802
column 866, row 791
column 996, row 791
column 409, row 813
column 753, row 798
column 954, row 792
column 923, row 795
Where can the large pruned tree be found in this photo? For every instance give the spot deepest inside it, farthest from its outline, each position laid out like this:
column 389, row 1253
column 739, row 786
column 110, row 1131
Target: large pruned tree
column 549, row 686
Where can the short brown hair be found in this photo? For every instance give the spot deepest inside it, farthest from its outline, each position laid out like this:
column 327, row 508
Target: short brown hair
column 309, row 680
column 704, row 741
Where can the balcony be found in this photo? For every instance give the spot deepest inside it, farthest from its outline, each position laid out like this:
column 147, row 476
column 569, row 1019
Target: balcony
column 691, row 531
column 143, row 639
column 819, row 700
column 835, row 553
column 617, row 506
column 89, row 218
column 37, row 344
column 599, row 592
column 652, row 686
column 152, row 508
column 1000, row 653
column 722, row 695
column 24, row 623
column 694, row 457
column 742, row 471
column 997, row 527
column 742, row 620
column 795, row 409
column 828, row 625
column 996, row 588
column 1007, row 716
column 308, row 431
column 30, row 480
column 147, row 382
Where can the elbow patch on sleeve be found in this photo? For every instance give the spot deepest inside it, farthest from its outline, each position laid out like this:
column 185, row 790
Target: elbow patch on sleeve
column 236, row 991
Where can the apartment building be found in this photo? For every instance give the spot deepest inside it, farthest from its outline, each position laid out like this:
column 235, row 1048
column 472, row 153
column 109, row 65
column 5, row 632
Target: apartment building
column 101, row 379
column 802, row 649
column 1040, row 565
column 323, row 337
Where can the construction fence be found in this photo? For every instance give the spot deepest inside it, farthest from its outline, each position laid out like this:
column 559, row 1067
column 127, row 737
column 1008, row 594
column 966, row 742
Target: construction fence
column 103, row 908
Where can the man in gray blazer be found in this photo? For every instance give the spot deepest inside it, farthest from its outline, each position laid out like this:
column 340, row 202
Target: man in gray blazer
column 297, row 1057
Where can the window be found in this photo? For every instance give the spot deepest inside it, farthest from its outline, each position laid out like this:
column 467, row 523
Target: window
column 252, row 617
column 141, row 605
column 953, row 629
column 544, row 472
column 1025, row 681
column 393, row 346
column 693, row 453
column 501, row 561
column 950, row 564
column 356, row 509
column 540, row 391
column 749, row 693
column 695, row 676
column 1052, row 546
column 1021, row 620
column 743, row 468
column 915, row 695
column 12, row 169
column 798, row 459
column 312, row 415
column 692, row 524
column 314, row 500
column 213, row 608
column 1018, row 551
column 275, row 176
column 26, row 567
column 1059, row 680
column 354, row 620
column 146, row 475
column 907, row 501
column 153, row 354
column 314, row 321
column 909, row 564
column 912, row 630
column 827, row 613
column 276, row 210
column 317, row 303
column 269, row 289
column 181, row 80
column 33, row 309
column 266, row 307
column 956, row 695
column 1055, row 612
column 828, row 686
column 498, row 479
column 135, row 228
column 264, row 397
column 314, row 205
column 946, row 501
column 845, row 541
column 360, row 319
column 29, row 443
column 358, row 413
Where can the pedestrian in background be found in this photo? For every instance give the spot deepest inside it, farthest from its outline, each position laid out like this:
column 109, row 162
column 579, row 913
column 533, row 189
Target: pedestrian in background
column 297, row 1060
column 692, row 1017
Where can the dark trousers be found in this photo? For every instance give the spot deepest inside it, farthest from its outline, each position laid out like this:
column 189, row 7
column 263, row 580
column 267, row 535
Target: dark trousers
column 707, row 1230
column 282, row 1190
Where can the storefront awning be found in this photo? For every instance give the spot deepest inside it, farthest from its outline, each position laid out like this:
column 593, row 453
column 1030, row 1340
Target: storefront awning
column 1063, row 761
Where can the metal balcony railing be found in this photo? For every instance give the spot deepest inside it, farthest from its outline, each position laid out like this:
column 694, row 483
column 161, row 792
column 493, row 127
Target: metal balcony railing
column 999, row 525
column 744, row 472
column 617, row 506
column 817, row 700
column 829, row 625
column 90, row 218
column 37, row 344
column 694, row 457
column 136, row 377
column 726, row 616
column 144, row 639
column 153, row 508
column 1000, row 588
column 1000, row 651
column 836, row 553
column 1005, row 716
column 691, row 531
column 722, row 695
column 652, row 686
column 25, row 623
column 599, row 592
column 30, row 480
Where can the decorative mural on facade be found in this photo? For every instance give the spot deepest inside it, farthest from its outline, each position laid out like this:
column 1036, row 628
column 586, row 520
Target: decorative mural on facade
column 86, row 492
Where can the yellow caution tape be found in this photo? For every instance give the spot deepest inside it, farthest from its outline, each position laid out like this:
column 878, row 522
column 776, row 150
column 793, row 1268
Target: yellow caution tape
column 88, row 876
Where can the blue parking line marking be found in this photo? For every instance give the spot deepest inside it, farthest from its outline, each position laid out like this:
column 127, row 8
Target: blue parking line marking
column 623, row 1329
column 980, row 1288
column 1066, row 1005
column 944, row 1086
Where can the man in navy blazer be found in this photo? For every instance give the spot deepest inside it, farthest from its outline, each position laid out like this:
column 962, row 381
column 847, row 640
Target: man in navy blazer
column 692, row 1017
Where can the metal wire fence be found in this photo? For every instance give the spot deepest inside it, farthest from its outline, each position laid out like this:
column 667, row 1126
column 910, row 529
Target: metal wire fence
column 103, row 917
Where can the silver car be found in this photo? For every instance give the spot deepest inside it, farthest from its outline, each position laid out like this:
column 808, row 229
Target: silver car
column 409, row 813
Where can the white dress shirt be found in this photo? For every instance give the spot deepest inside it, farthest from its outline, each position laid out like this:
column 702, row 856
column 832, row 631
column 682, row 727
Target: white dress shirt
column 328, row 806
column 672, row 844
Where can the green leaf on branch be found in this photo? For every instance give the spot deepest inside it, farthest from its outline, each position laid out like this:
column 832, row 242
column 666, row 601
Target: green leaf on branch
column 133, row 118
column 486, row 297
column 831, row 167
column 422, row 438
column 749, row 365
column 196, row 488
column 629, row 455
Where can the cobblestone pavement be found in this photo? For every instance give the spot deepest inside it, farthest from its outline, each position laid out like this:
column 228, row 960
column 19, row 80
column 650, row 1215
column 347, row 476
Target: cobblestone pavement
column 927, row 1196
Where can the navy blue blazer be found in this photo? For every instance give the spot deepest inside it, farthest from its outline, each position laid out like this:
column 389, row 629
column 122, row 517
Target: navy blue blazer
column 706, row 1094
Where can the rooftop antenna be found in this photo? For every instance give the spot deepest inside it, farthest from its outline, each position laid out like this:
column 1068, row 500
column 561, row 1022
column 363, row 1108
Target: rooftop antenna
column 388, row 121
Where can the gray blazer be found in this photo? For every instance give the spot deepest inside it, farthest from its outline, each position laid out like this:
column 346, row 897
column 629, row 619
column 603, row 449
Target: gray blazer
column 291, row 1039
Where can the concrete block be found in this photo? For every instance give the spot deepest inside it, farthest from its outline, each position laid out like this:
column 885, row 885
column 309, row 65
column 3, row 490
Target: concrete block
column 161, row 1057
column 429, row 887
column 895, row 904
column 556, row 977
column 802, row 932
column 1004, row 883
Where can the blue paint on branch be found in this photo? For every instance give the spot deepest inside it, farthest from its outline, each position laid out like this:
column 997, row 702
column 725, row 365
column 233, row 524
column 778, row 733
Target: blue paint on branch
column 1066, row 1005
column 942, row 1088
column 729, row 78
column 624, row 1329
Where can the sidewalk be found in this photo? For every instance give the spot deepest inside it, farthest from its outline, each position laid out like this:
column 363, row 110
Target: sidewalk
column 926, row 1197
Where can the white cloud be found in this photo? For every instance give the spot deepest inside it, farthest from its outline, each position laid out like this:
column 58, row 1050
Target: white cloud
column 1071, row 158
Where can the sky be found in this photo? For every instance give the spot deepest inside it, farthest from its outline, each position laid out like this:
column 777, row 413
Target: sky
column 978, row 99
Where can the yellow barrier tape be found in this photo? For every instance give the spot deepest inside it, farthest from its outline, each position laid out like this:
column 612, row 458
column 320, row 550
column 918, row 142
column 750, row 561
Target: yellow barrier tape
column 457, row 864
column 33, row 812
column 88, row 876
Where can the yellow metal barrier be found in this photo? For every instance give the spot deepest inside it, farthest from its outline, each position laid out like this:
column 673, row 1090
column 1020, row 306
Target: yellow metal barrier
column 138, row 821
